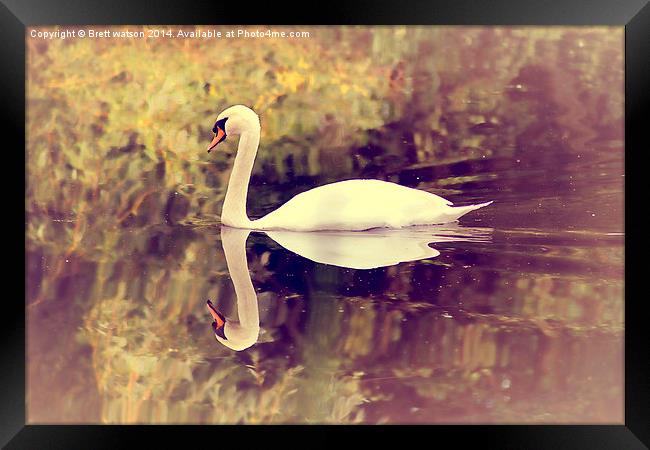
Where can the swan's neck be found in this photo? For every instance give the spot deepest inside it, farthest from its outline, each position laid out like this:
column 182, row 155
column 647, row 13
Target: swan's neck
column 234, row 246
column 233, row 212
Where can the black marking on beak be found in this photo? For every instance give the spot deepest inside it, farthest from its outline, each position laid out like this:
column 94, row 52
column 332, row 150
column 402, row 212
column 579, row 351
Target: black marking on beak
column 219, row 330
column 219, row 130
column 220, row 124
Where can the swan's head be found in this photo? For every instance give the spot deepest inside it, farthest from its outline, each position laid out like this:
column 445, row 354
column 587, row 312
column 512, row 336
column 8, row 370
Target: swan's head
column 231, row 333
column 234, row 120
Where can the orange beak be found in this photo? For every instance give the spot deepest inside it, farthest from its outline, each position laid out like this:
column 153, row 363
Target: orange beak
column 216, row 139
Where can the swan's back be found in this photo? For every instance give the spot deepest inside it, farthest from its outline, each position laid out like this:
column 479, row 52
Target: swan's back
column 360, row 205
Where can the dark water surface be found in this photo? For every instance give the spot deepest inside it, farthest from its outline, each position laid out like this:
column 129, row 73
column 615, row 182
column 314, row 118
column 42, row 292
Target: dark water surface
column 513, row 315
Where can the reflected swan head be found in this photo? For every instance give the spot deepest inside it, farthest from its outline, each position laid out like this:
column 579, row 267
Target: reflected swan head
column 232, row 333
column 219, row 322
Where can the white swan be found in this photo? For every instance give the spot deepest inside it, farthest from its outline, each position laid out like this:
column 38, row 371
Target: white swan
column 352, row 205
column 369, row 250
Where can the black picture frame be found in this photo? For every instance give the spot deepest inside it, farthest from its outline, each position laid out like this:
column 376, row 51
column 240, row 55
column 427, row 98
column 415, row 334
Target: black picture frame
column 634, row 15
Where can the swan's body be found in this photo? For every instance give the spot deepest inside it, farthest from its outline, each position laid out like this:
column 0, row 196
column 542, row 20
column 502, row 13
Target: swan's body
column 361, row 205
column 346, row 205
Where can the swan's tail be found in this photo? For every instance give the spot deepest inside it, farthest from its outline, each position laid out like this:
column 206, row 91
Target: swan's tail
column 459, row 211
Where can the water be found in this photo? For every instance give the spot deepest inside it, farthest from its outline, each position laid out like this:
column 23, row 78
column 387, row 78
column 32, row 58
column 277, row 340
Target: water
column 513, row 315
column 502, row 326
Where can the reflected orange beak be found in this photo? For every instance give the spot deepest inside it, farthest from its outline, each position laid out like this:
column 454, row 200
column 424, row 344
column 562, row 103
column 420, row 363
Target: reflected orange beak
column 216, row 139
column 216, row 315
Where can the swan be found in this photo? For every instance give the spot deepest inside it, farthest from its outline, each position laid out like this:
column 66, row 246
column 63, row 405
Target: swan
column 351, row 205
column 369, row 250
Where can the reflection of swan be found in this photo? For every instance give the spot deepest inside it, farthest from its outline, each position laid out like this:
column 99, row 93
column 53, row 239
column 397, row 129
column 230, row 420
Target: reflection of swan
column 354, row 250
column 242, row 334
column 374, row 248
column 346, row 205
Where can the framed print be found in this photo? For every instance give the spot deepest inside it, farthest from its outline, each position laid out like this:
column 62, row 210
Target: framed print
column 412, row 216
